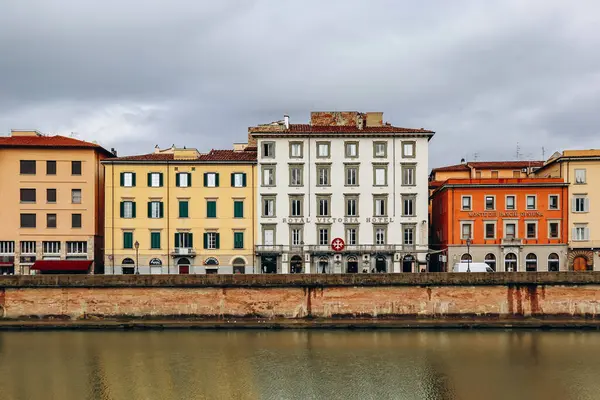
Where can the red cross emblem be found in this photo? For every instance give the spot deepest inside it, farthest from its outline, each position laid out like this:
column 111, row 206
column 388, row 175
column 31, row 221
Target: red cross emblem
column 338, row 244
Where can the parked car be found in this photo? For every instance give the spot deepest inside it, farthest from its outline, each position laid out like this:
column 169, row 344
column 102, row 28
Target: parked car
column 471, row 267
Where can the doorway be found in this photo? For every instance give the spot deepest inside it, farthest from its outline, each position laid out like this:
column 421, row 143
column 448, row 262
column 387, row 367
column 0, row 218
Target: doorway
column 380, row 264
column 296, row 265
column 579, row 263
column 407, row 263
column 268, row 264
column 323, row 267
column 184, row 266
column 352, row 265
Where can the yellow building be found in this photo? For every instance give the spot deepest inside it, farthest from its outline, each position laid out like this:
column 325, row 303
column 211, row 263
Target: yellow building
column 177, row 211
column 52, row 196
column 581, row 170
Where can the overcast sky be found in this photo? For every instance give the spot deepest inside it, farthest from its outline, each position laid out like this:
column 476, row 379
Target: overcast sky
column 132, row 74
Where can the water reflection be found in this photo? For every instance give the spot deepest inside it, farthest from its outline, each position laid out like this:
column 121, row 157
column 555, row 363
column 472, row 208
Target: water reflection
column 299, row 365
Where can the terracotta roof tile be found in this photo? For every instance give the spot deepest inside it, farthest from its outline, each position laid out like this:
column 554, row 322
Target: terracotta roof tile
column 146, row 157
column 49, row 141
column 307, row 128
column 489, row 165
column 213, row 155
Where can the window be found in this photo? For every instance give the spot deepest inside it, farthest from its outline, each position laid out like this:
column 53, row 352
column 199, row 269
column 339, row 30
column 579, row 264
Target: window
column 27, row 195
column 380, row 206
column 466, row 258
column 28, row 247
column 268, row 207
column 155, row 179
column 50, row 167
column 296, row 149
column 490, row 230
column 183, row 179
column 7, row 247
column 516, row 174
column 351, row 149
column 27, row 220
column 351, row 206
column 380, row 175
column 155, row 209
column 295, row 207
column 408, row 235
column 490, row 260
column 351, row 175
column 127, row 209
column 27, row 167
column 466, row 231
column 490, row 203
column 238, row 209
column 296, row 175
column 351, row 236
column 553, row 230
column 581, row 232
column 211, row 240
column 75, row 220
column 408, row 149
column 380, row 235
column 238, row 240
column 494, row 174
column 553, row 262
column 531, row 202
column 184, row 240
column 579, row 176
column 50, row 220
column 323, row 206
column 510, row 262
column 184, row 209
column 510, row 230
column 581, row 204
column 408, row 206
column 510, row 202
column 127, row 179
column 211, row 209
column 128, row 240
column 553, row 202
column 155, row 240
column 408, row 175
column 77, row 247
column 211, row 179
column 379, row 149
column 238, row 179
column 51, row 247
column 323, row 173
column 268, row 174
column 323, row 149
column 76, row 196
column 323, row 235
column 531, row 228
column 51, row 195
column 75, row 167
column 268, row 149
column 531, row 262
column 478, row 174
column 466, row 203
column 296, row 235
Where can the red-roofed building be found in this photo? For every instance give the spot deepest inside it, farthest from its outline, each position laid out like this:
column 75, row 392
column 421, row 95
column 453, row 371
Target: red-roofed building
column 52, row 196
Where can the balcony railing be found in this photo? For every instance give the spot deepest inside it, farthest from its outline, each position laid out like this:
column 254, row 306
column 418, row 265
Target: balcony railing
column 266, row 248
column 365, row 248
column 183, row 251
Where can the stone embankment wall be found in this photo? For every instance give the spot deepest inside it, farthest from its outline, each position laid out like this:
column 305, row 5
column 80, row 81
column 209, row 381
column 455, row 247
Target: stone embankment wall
column 562, row 295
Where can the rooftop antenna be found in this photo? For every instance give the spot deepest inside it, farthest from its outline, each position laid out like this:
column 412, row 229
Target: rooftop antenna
column 475, row 156
column 543, row 153
column 518, row 151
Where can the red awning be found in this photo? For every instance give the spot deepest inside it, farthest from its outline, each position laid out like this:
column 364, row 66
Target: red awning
column 5, row 264
column 62, row 265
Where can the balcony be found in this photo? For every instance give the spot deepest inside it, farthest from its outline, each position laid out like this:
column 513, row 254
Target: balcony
column 326, row 249
column 183, row 251
column 270, row 248
column 512, row 241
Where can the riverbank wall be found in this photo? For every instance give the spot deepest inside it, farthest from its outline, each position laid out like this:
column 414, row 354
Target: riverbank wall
column 543, row 299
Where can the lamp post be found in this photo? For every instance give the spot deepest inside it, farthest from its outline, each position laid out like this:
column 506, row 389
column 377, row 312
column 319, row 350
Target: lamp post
column 301, row 255
column 137, row 253
column 469, row 255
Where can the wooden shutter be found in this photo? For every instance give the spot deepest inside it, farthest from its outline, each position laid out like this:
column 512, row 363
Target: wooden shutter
column 205, row 179
column 206, row 240
column 244, row 179
column 149, row 179
column 232, row 179
column 161, row 209
column 216, row 179
column 177, row 240
column 189, row 175
column 160, row 179
column 133, row 179
column 177, row 179
column 133, row 209
column 149, row 209
column 217, row 240
column 122, row 209
column 122, row 179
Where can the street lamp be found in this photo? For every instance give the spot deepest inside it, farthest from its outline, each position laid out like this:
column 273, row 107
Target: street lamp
column 137, row 253
column 469, row 255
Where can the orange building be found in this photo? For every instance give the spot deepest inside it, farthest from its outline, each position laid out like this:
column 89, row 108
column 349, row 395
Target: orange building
column 512, row 224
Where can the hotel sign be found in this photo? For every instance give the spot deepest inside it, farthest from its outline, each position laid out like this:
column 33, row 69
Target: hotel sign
column 506, row 214
column 332, row 220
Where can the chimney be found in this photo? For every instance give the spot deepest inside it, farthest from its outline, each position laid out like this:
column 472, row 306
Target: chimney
column 462, row 161
column 286, row 121
column 112, row 150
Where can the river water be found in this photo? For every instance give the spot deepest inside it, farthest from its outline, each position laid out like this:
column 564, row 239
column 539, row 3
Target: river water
column 300, row 365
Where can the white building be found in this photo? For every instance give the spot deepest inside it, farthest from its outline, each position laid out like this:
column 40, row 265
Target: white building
column 345, row 175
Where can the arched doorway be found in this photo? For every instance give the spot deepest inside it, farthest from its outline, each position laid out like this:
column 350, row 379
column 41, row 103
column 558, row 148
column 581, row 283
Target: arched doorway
column 531, row 262
column 296, row 265
column 128, row 266
column 407, row 263
column 510, row 262
column 352, row 266
column 380, row 264
column 184, row 266
column 239, row 266
column 268, row 264
column 323, row 267
column 155, row 266
column 553, row 263
column 490, row 260
column 212, row 265
column 580, row 263
column 466, row 258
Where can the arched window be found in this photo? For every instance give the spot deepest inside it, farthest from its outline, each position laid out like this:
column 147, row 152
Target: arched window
column 239, row 266
column 531, row 262
column 490, row 260
column 466, row 258
column 510, row 262
column 211, row 261
column 553, row 262
column 128, row 261
column 183, row 261
column 296, row 264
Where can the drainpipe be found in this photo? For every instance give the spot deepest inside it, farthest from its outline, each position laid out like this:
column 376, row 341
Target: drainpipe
column 168, row 220
column 112, row 201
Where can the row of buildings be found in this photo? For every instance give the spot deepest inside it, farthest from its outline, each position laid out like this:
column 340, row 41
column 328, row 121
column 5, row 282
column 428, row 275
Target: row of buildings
column 344, row 193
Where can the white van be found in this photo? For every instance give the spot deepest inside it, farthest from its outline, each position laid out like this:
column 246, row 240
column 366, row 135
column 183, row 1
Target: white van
column 472, row 267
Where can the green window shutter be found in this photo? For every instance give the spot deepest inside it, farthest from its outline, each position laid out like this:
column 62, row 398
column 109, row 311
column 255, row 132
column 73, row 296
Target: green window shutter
column 189, row 179
column 217, row 241
column 149, row 209
column 122, row 179
column 238, row 209
column 127, row 240
column 191, row 236
column 122, row 209
column 232, row 179
column 133, row 209
column 217, row 179
column 161, row 209
column 238, row 240
column 211, row 209
column 160, row 180
column 205, row 179
column 183, row 209
column 206, row 240
column 155, row 240
column 133, row 179
column 177, row 179
column 244, row 179
column 149, row 179
column 177, row 240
